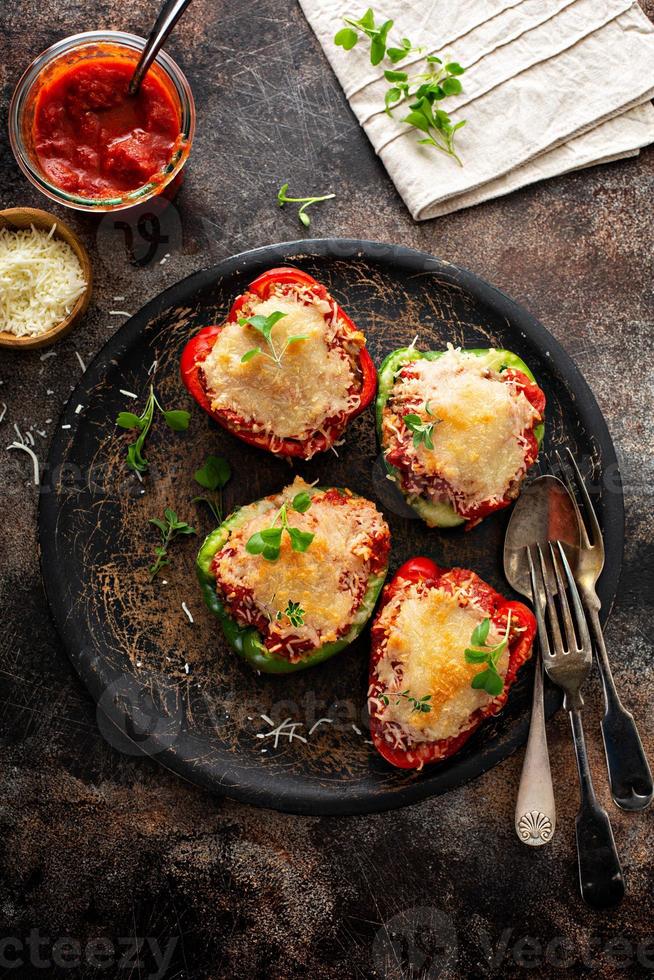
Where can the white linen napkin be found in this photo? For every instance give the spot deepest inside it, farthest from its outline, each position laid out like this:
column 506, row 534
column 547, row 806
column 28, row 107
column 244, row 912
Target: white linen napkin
column 550, row 86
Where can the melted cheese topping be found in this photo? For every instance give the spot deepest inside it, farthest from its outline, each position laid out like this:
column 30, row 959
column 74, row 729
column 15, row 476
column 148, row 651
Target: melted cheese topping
column 429, row 630
column 328, row 580
column 292, row 399
column 478, row 421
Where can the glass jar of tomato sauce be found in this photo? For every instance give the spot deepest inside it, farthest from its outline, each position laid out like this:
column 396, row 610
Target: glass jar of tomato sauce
column 83, row 141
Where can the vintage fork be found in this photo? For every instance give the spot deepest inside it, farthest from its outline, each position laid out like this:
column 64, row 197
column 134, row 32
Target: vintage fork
column 630, row 776
column 567, row 663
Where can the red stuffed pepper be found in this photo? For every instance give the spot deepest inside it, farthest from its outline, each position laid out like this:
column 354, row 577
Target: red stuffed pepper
column 286, row 371
column 446, row 648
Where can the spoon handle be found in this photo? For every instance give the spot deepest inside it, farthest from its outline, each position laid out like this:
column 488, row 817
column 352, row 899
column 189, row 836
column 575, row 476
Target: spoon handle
column 535, row 812
column 169, row 14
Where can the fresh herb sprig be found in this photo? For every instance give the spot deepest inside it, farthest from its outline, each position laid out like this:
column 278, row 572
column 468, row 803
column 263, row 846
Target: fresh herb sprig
column 264, row 325
column 423, row 432
column 306, row 202
column 213, row 475
column 479, row 652
column 293, row 612
column 170, row 528
column 176, row 419
column 377, row 34
column 422, row 91
column 419, row 704
column 268, row 542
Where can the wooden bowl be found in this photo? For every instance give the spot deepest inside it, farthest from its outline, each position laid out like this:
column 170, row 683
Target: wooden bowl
column 23, row 218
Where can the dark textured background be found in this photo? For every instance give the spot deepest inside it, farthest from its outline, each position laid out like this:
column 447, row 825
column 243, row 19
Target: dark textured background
column 100, row 847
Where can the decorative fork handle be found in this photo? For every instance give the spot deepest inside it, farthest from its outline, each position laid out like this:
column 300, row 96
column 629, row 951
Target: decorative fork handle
column 535, row 813
column 630, row 776
column 600, row 874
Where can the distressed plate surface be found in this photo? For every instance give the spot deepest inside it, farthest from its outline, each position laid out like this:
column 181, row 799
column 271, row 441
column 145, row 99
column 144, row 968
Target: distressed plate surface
column 171, row 688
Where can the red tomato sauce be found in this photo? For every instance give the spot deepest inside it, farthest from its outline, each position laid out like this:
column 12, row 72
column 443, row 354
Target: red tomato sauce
column 93, row 139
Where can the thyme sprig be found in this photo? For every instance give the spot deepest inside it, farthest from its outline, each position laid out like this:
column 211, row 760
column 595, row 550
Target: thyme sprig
column 419, row 704
column 169, row 528
column 293, row 612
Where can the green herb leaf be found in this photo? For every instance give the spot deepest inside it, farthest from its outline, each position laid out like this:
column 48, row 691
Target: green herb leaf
column 250, row 354
column 345, row 38
column 128, row 420
column 214, row 473
column 393, row 95
column 454, row 68
column 395, row 76
column 177, row 419
column 301, row 502
column 300, row 540
column 480, row 633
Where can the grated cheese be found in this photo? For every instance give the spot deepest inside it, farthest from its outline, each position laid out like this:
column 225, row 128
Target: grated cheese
column 328, row 580
column 428, row 631
column 315, row 381
column 41, row 279
column 479, row 420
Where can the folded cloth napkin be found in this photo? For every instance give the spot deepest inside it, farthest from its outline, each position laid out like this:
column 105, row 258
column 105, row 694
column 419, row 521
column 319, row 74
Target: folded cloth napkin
column 550, row 86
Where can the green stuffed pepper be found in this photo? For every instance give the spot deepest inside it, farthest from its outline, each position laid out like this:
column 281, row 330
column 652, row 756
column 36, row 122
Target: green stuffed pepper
column 294, row 577
column 459, row 429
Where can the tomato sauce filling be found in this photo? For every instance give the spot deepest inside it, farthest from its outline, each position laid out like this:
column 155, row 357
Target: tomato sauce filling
column 93, row 139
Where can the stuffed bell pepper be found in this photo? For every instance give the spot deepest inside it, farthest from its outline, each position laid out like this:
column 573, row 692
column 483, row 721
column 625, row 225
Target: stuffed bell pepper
column 459, row 429
column 294, row 577
column 288, row 369
column 446, row 648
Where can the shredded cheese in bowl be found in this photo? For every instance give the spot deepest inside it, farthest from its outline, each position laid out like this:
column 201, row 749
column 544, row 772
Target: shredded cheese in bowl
column 41, row 279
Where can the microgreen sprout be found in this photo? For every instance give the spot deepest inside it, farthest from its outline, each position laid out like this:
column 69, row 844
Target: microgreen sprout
column 176, row 419
column 213, row 475
column 268, row 542
column 293, row 612
column 377, row 34
column 421, row 90
column 306, row 202
column 419, row 704
column 170, row 528
column 264, row 325
column 479, row 652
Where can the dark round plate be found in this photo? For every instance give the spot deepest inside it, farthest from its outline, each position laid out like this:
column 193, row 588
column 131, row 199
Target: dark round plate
column 171, row 688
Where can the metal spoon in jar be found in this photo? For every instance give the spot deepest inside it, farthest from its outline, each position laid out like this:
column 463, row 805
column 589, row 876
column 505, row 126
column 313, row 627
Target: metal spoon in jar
column 169, row 14
column 544, row 512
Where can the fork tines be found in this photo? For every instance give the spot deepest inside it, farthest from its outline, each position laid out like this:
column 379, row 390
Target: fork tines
column 568, row 629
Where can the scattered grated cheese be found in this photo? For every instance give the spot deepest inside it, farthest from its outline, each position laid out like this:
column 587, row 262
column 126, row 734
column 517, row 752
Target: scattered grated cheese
column 188, row 613
column 32, row 454
column 81, row 362
column 50, row 353
column 41, row 279
column 152, row 367
column 357, row 730
column 78, row 409
column 119, row 313
column 65, row 427
column 327, row 721
column 4, row 411
column 128, row 394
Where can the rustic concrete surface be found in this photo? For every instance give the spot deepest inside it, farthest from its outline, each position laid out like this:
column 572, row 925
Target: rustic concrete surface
column 99, row 847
